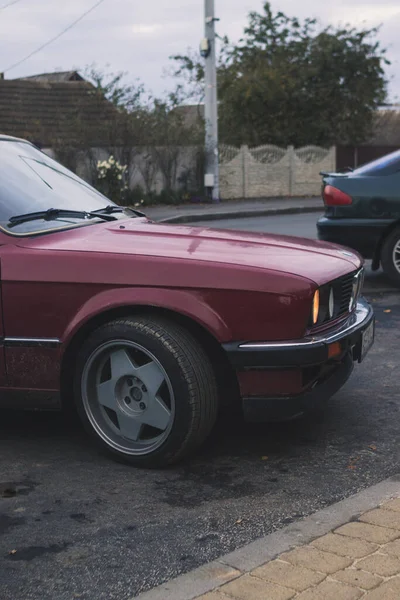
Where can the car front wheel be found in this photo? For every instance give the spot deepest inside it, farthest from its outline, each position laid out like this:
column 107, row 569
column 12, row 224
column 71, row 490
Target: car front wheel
column 390, row 256
column 145, row 389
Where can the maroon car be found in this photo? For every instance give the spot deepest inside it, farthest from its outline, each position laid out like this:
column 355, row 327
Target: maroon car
column 149, row 329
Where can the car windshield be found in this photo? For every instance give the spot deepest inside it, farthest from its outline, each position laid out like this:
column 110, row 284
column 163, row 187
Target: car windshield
column 30, row 181
column 386, row 165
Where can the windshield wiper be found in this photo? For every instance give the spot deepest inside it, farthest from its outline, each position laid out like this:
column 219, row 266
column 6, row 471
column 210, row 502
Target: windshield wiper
column 55, row 213
column 108, row 210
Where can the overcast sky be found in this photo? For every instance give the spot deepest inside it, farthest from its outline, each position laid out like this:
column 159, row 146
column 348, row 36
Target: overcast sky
column 138, row 36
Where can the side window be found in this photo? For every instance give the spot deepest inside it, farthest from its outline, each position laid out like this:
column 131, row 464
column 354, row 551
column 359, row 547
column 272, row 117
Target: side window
column 387, row 165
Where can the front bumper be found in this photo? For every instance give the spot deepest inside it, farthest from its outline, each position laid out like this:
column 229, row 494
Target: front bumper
column 310, row 359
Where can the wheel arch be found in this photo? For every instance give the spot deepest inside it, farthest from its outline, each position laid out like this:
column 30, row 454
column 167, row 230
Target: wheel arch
column 376, row 261
column 222, row 367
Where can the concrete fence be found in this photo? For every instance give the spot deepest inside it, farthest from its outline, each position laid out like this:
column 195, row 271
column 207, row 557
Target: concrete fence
column 272, row 171
column 266, row 171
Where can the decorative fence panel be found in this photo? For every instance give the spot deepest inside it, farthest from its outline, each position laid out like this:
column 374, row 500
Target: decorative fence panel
column 269, row 171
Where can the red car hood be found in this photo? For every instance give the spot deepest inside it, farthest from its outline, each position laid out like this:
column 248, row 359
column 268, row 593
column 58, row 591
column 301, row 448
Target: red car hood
column 317, row 261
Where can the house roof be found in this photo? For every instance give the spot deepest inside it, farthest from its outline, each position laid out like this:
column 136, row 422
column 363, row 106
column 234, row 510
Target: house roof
column 54, row 77
column 192, row 114
column 386, row 129
column 52, row 113
column 384, row 107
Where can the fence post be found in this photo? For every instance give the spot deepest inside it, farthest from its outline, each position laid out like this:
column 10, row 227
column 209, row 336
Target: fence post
column 291, row 169
column 245, row 168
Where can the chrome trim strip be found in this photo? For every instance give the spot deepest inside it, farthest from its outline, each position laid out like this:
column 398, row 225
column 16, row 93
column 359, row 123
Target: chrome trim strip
column 354, row 322
column 30, row 342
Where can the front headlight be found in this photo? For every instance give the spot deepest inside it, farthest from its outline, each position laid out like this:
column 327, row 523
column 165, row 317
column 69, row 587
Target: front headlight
column 358, row 283
column 336, row 299
column 331, row 304
column 315, row 311
column 323, row 306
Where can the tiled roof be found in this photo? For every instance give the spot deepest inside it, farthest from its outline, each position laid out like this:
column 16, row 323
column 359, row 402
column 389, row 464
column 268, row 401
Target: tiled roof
column 192, row 114
column 386, row 129
column 54, row 77
column 50, row 113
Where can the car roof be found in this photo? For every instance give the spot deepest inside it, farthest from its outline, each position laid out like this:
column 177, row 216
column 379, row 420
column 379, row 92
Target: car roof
column 9, row 138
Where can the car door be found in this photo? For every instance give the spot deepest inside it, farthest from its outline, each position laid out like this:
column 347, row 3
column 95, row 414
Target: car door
column 29, row 357
column 3, row 371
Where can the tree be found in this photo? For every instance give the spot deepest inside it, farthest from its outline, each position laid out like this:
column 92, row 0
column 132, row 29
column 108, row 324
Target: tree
column 287, row 82
column 168, row 136
column 145, row 134
column 126, row 96
column 128, row 131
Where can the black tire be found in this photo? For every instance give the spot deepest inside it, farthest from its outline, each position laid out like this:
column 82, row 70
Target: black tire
column 387, row 258
column 191, row 378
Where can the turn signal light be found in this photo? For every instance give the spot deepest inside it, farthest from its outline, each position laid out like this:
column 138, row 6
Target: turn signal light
column 335, row 197
column 334, row 350
column 315, row 312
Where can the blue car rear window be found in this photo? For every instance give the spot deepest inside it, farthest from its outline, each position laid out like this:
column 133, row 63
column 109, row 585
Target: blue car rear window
column 386, row 165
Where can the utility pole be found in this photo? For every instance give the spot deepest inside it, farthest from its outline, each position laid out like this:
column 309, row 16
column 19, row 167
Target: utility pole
column 208, row 51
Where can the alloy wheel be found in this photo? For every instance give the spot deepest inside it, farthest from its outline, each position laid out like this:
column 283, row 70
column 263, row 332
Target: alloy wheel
column 128, row 397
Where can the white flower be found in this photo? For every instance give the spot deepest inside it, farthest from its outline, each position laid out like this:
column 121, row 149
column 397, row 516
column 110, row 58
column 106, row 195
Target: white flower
column 136, row 205
column 119, row 177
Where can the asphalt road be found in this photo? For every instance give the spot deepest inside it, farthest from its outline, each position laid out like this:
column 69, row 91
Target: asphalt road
column 75, row 525
column 302, row 225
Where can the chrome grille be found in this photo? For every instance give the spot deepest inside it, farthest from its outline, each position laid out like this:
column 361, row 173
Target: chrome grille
column 343, row 289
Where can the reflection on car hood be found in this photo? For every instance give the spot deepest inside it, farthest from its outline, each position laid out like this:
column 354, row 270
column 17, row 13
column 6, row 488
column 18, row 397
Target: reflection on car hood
column 317, row 261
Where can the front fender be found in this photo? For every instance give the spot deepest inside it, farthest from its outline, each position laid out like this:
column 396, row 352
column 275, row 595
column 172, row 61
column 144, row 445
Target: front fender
column 190, row 304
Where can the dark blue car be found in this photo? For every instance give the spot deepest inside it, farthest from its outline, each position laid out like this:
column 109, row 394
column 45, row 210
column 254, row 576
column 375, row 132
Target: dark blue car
column 363, row 212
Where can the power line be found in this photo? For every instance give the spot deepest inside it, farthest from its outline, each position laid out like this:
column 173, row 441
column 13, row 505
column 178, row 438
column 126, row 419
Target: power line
column 70, row 26
column 9, row 4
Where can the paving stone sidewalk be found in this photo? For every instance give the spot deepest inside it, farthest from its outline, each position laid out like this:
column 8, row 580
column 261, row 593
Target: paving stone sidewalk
column 345, row 551
column 360, row 559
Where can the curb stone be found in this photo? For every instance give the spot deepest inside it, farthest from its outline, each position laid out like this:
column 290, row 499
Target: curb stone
column 217, row 216
column 235, row 564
